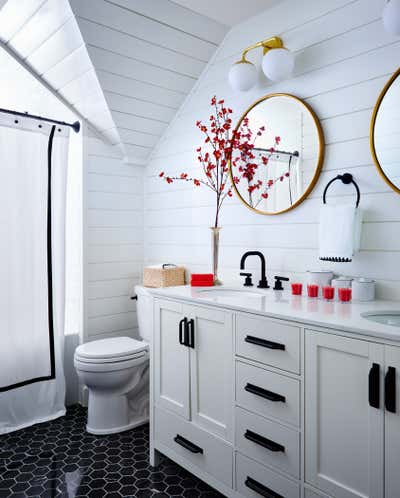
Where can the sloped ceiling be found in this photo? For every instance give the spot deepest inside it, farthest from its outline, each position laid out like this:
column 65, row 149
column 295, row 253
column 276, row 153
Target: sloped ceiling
column 147, row 56
column 125, row 65
column 44, row 35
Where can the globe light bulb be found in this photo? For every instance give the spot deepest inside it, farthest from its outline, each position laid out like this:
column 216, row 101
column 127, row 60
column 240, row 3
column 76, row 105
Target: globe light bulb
column 278, row 64
column 391, row 17
column 242, row 76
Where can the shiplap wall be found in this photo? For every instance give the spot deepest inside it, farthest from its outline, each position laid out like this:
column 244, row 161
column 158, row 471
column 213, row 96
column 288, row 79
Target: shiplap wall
column 114, row 241
column 343, row 59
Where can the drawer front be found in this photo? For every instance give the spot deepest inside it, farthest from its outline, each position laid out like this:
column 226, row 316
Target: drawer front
column 268, row 393
column 255, row 480
column 207, row 452
column 268, row 442
column 270, row 342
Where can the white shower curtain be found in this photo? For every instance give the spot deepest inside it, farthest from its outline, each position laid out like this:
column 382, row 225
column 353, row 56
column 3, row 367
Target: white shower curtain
column 32, row 276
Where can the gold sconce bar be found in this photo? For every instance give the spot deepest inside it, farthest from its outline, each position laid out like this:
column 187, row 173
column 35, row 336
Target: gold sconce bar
column 268, row 44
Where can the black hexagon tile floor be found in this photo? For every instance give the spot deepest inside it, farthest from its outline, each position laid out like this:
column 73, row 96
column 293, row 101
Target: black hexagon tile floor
column 60, row 459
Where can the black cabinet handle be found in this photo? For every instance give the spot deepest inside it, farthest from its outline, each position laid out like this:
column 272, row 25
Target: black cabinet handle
column 261, row 489
column 193, row 448
column 183, row 332
column 264, row 442
column 264, row 343
column 373, row 385
column 264, row 393
column 390, row 390
column 190, row 333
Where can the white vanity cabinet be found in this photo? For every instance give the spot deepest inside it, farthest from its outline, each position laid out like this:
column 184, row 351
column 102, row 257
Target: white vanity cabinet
column 352, row 424
column 261, row 406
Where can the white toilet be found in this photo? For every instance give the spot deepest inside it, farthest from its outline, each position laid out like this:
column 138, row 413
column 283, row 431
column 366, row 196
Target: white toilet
column 116, row 373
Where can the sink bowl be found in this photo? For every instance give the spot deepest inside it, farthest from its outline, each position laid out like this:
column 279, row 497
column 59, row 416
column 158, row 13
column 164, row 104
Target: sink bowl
column 230, row 293
column 383, row 317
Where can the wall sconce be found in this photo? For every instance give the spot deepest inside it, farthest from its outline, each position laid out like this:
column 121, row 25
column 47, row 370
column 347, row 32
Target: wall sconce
column 391, row 17
column 277, row 64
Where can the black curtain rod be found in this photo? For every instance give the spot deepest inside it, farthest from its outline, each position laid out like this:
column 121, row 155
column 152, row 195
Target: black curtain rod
column 75, row 126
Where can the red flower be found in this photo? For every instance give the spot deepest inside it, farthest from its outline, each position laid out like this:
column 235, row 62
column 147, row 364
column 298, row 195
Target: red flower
column 196, row 182
column 169, row 179
column 161, row 174
column 183, row 176
column 264, row 195
column 277, row 139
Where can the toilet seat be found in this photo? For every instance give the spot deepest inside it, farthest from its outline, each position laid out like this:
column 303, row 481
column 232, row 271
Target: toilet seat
column 111, row 350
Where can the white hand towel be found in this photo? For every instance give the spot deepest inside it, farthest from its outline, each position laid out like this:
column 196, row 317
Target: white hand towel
column 339, row 232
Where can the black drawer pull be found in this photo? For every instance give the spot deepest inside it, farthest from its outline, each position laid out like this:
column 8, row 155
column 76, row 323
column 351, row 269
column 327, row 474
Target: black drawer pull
column 261, row 489
column 193, row 448
column 264, row 343
column 264, row 442
column 264, row 393
column 183, row 332
column 390, row 390
column 373, row 385
column 190, row 327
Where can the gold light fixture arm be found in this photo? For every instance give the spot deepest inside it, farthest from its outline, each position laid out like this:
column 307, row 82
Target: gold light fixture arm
column 274, row 42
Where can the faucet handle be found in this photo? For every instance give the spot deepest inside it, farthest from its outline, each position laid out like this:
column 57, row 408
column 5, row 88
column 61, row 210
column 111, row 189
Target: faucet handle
column 247, row 281
column 278, row 282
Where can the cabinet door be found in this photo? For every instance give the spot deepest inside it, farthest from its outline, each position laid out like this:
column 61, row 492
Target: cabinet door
column 344, row 434
column 171, row 360
column 212, row 370
column 392, row 422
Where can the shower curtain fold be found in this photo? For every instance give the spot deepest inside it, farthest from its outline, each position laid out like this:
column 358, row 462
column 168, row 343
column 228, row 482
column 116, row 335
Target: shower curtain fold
column 33, row 167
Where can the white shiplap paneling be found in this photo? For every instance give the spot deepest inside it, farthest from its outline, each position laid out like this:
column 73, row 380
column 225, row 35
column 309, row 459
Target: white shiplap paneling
column 343, row 58
column 114, row 241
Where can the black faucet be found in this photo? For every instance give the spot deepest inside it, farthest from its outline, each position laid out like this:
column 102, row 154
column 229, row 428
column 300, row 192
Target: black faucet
column 263, row 283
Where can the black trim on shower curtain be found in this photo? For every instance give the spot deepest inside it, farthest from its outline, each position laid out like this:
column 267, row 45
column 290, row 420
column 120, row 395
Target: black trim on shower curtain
column 49, row 277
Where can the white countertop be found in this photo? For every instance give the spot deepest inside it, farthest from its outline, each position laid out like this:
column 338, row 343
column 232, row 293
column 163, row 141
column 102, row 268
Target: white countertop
column 318, row 312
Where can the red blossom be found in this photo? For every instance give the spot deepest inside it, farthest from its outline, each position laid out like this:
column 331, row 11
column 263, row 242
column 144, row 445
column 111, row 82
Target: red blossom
column 169, row 179
column 196, row 182
column 161, row 174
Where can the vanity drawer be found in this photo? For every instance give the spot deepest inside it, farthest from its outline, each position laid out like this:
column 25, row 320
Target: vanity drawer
column 268, row 442
column 207, row 452
column 267, row 341
column 268, row 393
column 251, row 476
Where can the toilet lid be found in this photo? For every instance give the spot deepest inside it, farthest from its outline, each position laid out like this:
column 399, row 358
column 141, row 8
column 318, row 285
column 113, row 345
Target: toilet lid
column 112, row 349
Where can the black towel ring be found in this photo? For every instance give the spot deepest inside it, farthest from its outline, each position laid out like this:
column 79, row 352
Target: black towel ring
column 346, row 178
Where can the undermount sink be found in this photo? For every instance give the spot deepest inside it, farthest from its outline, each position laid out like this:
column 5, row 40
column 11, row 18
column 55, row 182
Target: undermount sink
column 231, row 293
column 383, row 317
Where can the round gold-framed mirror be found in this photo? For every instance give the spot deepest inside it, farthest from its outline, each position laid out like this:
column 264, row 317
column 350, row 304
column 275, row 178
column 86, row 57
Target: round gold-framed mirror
column 277, row 154
column 385, row 132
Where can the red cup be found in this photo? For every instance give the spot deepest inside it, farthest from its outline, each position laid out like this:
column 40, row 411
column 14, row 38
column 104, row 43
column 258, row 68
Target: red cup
column 297, row 289
column 328, row 292
column 312, row 290
column 344, row 294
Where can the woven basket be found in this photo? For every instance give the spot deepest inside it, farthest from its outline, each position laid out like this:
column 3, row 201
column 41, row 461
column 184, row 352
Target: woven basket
column 165, row 276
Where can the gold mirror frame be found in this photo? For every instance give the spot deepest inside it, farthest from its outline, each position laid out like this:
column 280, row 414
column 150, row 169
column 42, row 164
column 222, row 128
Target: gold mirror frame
column 320, row 161
column 372, row 131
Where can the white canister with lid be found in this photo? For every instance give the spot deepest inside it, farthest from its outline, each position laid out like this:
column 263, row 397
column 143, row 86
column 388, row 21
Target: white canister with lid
column 319, row 277
column 342, row 282
column 363, row 289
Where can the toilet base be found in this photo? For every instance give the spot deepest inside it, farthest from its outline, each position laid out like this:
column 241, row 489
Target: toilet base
column 115, row 430
column 109, row 414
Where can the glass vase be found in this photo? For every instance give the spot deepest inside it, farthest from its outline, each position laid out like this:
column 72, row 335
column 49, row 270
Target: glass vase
column 215, row 253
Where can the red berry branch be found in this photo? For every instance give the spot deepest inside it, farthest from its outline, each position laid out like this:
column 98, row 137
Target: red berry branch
column 213, row 155
column 219, row 147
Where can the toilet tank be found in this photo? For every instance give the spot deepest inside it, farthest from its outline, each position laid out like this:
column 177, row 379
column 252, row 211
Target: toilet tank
column 144, row 307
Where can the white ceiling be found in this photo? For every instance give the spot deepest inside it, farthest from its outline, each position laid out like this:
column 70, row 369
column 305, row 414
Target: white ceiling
column 229, row 12
column 125, row 65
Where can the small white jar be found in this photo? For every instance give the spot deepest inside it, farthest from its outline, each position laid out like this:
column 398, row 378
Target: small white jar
column 342, row 282
column 319, row 277
column 363, row 289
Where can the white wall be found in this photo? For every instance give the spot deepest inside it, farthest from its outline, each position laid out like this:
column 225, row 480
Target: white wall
column 343, row 59
column 114, row 241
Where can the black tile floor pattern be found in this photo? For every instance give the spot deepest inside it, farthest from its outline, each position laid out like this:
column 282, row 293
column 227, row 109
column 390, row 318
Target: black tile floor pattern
column 60, row 459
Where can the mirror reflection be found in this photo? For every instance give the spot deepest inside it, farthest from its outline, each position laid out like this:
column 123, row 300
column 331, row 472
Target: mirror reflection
column 386, row 133
column 279, row 156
